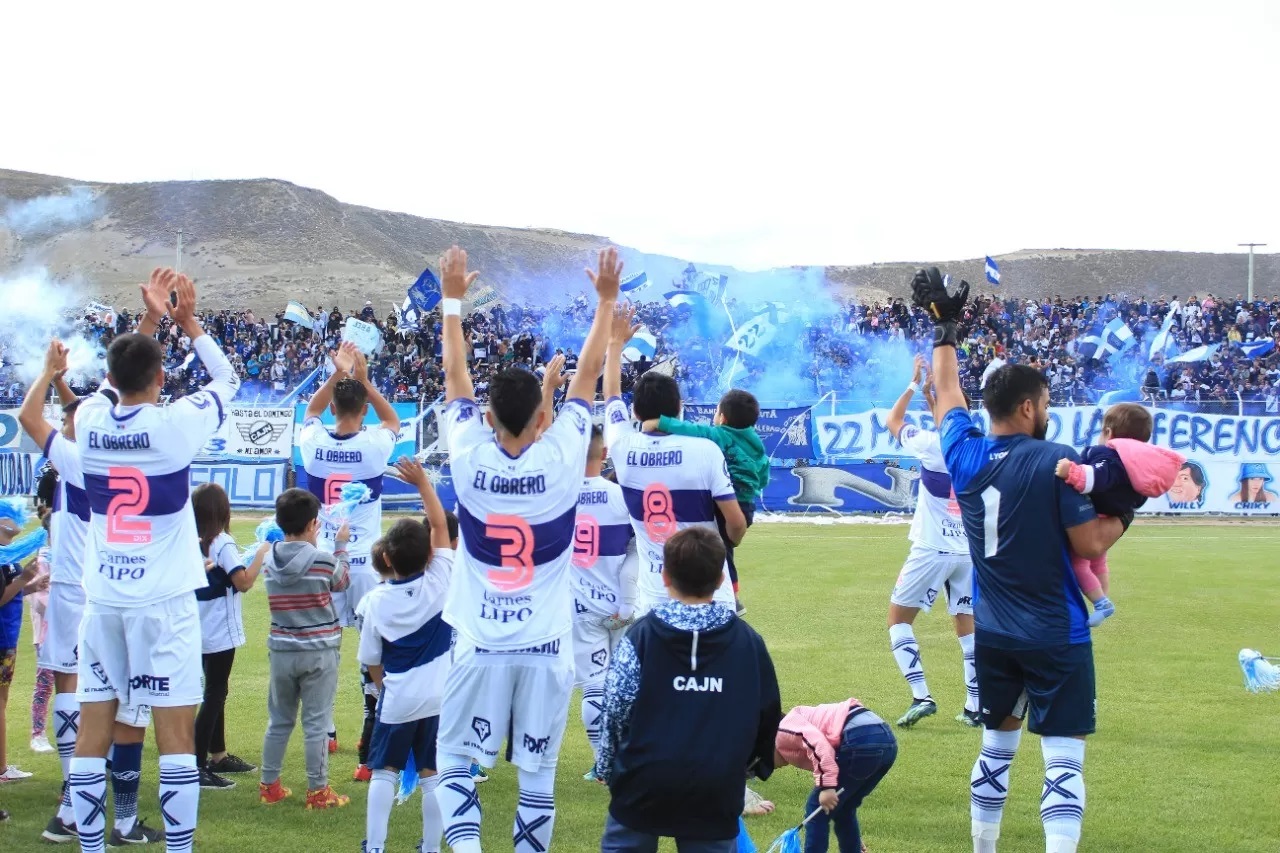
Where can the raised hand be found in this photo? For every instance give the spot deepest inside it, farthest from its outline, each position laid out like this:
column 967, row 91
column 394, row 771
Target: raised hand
column 155, row 293
column 624, row 327
column 343, row 357
column 184, row 311
column 55, row 358
column 608, row 274
column 411, row 471
column 359, row 364
column 920, row 371
column 454, row 278
column 555, row 374
column 942, row 297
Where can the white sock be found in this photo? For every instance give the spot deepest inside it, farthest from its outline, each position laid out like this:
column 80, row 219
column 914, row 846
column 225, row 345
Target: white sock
column 592, row 710
column 1062, row 799
column 535, row 811
column 458, row 802
column 179, row 800
column 66, row 726
column 382, row 794
column 88, row 781
column 985, row 835
column 432, row 823
column 989, row 781
column 970, row 673
column 907, row 653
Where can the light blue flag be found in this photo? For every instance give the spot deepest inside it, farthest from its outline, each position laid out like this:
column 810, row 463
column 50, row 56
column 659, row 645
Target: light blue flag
column 296, row 312
column 643, row 344
column 1163, row 341
column 1198, row 354
column 1118, row 336
column 1089, row 347
column 1257, row 349
column 993, row 271
column 633, row 283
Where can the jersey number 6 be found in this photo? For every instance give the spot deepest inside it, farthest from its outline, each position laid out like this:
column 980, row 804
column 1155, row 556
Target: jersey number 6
column 132, row 492
column 516, row 550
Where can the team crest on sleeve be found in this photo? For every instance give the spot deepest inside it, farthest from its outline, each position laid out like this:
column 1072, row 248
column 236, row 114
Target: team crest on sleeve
column 617, row 416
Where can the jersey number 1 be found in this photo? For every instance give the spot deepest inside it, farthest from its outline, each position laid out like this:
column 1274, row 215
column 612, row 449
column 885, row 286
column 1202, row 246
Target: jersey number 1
column 991, row 520
column 132, row 492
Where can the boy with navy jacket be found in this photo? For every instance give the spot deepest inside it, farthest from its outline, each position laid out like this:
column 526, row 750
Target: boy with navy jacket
column 691, row 707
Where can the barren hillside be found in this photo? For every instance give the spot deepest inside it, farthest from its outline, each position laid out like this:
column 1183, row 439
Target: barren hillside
column 259, row 243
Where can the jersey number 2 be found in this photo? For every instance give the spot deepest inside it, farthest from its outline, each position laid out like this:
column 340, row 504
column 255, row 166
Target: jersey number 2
column 132, row 492
column 991, row 520
column 516, row 550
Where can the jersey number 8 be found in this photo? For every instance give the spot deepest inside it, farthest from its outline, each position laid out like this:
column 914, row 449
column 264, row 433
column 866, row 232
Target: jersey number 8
column 132, row 492
column 659, row 514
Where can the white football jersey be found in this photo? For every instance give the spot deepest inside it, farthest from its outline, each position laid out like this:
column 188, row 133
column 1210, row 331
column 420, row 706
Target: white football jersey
column 670, row 483
column 516, row 519
column 70, row 523
column 937, row 523
column 221, row 620
column 403, row 631
column 331, row 462
column 602, row 541
column 142, row 545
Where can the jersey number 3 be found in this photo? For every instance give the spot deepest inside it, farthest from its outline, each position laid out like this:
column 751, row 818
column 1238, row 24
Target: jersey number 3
column 516, row 549
column 132, row 492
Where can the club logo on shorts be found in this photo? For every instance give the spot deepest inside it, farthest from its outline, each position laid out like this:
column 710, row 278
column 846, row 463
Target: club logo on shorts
column 577, row 607
column 599, row 656
column 97, row 670
column 536, row 745
column 931, row 596
column 481, row 727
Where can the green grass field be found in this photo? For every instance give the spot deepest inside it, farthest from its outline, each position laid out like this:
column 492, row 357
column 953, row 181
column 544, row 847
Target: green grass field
column 1184, row 759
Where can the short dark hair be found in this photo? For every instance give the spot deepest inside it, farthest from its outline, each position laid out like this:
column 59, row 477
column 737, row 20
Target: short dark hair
column 133, row 362
column 693, row 561
column 595, row 450
column 450, row 524
column 407, row 547
column 1128, row 420
column 655, row 395
column 295, row 510
column 514, row 398
column 740, row 409
column 349, row 397
column 1009, row 386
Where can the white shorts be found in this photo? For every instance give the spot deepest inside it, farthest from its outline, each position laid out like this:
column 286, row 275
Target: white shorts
column 361, row 584
column 513, row 695
column 927, row 572
column 593, row 646
column 62, row 615
column 147, row 655
column 646, row 602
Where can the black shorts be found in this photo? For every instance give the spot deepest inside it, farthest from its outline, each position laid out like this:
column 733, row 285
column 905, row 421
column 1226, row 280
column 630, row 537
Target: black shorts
column 1053, row 689
column 393, row 742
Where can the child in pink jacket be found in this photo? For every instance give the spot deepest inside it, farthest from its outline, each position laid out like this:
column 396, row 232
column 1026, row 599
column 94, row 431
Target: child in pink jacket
column 1119, row 475
column 849, row 750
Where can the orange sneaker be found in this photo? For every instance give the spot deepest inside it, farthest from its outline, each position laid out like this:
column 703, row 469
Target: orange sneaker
column 362, row 774
column 326, row 798
column 333, row 745
column 271, row 794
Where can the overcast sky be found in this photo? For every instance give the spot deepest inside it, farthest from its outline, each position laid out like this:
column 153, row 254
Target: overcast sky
column 750, row 134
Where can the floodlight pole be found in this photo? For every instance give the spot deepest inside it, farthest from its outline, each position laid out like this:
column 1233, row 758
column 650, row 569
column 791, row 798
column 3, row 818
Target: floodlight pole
column 1251, row 247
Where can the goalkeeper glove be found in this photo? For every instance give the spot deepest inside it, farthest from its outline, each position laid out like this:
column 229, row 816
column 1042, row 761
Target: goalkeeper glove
column 944, row 301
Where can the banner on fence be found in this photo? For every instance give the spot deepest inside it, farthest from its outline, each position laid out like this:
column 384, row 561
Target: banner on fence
column 12, row 436
column 19, row 472
column 252, row 432
column 247, row 484
column 841, row 487
column 784, row 432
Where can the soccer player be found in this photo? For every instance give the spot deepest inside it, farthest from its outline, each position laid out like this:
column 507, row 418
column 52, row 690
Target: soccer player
column 510, row 598
column 604, row 585
column 349, row 453
column 939, row 560
column 670, row 482
column 1032, row 646
column 140, row 635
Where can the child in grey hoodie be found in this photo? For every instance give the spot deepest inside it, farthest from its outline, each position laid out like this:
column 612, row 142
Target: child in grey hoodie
column 302, row 647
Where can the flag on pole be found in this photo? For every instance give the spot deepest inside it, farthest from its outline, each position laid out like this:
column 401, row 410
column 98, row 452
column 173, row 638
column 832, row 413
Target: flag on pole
column 687, row 299
column 634, row 283
column 408, row 314
column 643, row 344
column 1198, row 354
column 1118, row 336
column 1257, row 349
column 754, row 335
column 993, row 271
column 1163, row 341
column 1089, row 346
column 425, row 292
column 296, row 312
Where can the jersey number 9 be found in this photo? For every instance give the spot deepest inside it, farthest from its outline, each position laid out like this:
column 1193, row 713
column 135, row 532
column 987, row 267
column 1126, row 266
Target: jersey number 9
column 586, row 542
column 132, row 492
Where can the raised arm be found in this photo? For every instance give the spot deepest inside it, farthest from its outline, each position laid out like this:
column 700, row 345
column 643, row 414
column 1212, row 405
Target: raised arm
column 454, row 281
column 411, row 472
column 944, row 301
column 343, row 359
column 621, row 330
column 31, row 415
column 386, row 412
column 591, row 359
column 156, row 295
column 223, row 382
column 898, row 414
column 553, row 379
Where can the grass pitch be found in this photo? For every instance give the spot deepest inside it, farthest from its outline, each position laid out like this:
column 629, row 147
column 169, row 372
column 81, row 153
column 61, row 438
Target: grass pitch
column 1184, row 758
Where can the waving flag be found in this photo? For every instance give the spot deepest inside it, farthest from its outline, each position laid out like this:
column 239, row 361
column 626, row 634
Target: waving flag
column 408, row 314
column 1089, row 347
column 687, row 299
column 1198, row 354
column 1118, row 336
column 634, row 283
column 754, row 335
column 643, row 344
column 993, row 271
column 1163, row 341
column 425, row 292
column 1257, row 349
column 296, row 312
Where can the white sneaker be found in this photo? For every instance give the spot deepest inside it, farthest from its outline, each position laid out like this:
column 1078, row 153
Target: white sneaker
column 40, row 743
column 12, row 774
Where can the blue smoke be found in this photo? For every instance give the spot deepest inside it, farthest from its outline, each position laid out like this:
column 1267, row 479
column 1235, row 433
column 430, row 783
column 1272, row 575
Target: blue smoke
column 50, row 212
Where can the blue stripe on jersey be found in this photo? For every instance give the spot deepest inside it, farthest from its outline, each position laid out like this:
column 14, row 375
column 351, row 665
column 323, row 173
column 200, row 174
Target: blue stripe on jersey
column 614, row 539
column 77, row 502
column 166, row 493
column 690, row 505
column 935, row 483
column 319, row 487
column 419, row 648
column 551, row 539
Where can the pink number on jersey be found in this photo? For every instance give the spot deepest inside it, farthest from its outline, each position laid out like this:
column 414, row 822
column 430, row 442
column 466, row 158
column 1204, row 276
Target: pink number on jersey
column 586, row 542
column 659, row 515
column 333, row 488
column 133, row 493
column 517, row 552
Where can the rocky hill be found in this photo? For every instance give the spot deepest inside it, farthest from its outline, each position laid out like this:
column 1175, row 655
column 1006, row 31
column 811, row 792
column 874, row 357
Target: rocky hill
column 259, row 243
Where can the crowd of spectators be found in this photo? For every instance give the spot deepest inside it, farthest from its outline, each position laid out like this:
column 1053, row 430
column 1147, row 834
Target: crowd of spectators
column 837, row 348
